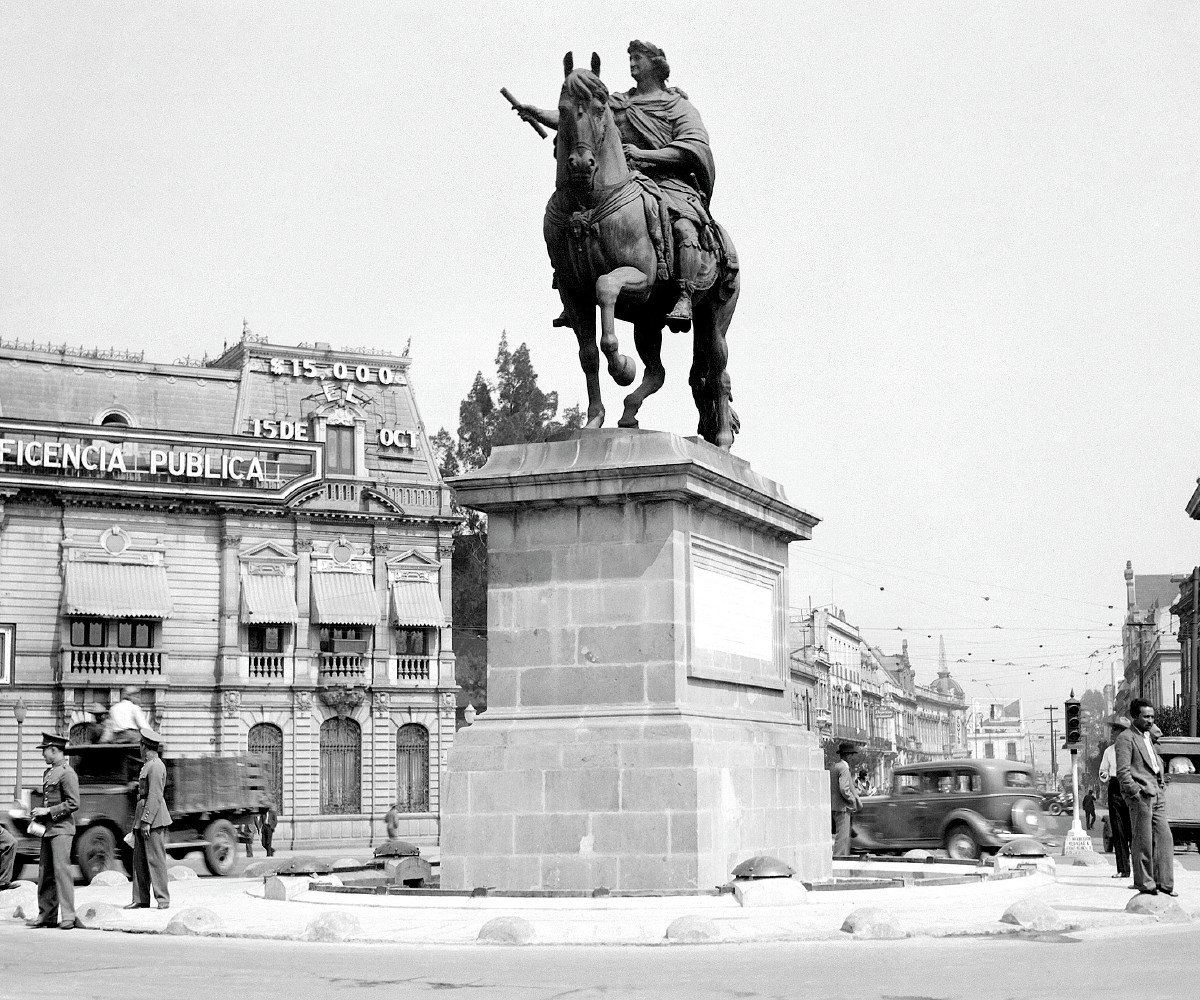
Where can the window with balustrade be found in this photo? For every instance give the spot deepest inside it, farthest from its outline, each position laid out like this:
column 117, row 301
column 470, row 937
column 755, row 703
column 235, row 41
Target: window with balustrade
column 341, row 766
column 412, row 768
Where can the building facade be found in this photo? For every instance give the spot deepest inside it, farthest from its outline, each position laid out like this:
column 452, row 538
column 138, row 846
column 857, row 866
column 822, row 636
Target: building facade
column 260, row 544
column 997, row 730
column 1149, row 640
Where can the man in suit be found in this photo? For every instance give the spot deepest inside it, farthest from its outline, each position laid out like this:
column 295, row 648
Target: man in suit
column 270, row 819
column 1118, row 812
column 60, row 800
column 150, row 822
column 1141, row 774
column 843, row 799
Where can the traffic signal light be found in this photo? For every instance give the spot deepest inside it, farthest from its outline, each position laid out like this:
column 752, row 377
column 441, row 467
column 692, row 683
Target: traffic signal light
column 1074, row 725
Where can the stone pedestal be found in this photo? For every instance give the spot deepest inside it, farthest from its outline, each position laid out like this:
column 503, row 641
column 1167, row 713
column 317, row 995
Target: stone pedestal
column 638, row 734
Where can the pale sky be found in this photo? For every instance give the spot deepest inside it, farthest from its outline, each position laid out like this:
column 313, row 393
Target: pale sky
column 968, row 232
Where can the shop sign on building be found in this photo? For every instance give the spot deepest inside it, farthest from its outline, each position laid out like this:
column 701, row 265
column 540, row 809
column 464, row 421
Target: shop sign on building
column 111, row 459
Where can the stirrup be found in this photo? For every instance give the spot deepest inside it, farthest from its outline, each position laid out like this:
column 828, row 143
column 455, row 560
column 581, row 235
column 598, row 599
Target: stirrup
column 679, row 319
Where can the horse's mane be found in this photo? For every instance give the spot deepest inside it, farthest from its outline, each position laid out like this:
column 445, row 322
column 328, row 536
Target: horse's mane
column 584, row 85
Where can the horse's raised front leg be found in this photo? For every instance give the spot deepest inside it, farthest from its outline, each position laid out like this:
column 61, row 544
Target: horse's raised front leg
column 583, row 320
column 647, row 336
column 608, row 289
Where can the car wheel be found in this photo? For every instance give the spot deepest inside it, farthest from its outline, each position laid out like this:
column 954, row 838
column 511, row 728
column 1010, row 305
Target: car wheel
column 961, row 844
column 95, row 852
column 1055, row 809
column 221, row 851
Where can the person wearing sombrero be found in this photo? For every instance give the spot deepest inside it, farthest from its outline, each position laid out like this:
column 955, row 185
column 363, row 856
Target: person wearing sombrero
column 56, row 814
column 843, row 799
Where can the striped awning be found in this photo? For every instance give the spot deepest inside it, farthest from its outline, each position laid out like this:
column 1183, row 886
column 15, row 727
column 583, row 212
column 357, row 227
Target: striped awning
column 117, row 590
column 344, row 599
column 268, row 600
column 417, row 603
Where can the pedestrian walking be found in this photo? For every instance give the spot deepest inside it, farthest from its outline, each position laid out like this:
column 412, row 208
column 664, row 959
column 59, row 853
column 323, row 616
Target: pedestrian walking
column 150, row 822
column 270, row 819
column 843, row 799
column 246, row 834
column 1089, row 808
column 391, row 821
column 1141, row 773
column 56, row 817
column 1118, row 810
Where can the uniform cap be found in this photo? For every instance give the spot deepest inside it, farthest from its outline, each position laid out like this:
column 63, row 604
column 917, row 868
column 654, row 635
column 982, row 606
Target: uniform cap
column 52, row 740
column 151, row 738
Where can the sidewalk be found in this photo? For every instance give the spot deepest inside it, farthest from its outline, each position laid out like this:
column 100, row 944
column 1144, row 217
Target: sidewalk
column 1086, row 897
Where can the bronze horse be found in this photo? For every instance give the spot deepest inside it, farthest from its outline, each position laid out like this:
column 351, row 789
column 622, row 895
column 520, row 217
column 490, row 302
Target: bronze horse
column 602, row 234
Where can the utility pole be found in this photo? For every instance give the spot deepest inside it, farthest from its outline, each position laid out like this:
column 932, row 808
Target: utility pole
column 1053, row 757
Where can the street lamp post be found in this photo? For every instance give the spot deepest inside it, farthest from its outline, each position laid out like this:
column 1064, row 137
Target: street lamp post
column 19, row 715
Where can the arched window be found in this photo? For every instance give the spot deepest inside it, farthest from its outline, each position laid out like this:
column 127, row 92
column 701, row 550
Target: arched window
column 412, row 768
column 266, row 738
column 341, row 766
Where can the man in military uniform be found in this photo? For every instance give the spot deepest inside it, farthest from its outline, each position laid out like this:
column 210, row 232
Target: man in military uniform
column 150, row 822
column 60, row 800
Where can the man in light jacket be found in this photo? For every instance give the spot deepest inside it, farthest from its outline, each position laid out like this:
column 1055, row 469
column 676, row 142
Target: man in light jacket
column 150, row 822
column 1142, row 776
column 843, row 799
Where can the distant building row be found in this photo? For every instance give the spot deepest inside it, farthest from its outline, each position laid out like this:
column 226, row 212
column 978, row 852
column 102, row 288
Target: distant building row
column 845, row 689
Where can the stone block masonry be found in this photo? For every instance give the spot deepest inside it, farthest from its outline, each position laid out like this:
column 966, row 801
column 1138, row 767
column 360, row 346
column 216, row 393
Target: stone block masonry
column 627, row 744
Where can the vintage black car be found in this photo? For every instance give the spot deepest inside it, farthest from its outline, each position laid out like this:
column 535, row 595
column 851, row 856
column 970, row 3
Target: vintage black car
column 963, row 806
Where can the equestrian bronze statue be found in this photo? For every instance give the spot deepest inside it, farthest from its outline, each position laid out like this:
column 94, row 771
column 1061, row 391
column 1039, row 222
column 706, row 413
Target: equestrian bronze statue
column 628, row 229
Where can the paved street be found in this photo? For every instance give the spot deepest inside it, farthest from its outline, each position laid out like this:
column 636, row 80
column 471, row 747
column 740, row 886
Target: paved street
column 35, row 965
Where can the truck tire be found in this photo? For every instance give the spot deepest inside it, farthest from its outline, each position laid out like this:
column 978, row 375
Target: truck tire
column 96, row 852
column 1055, row 809
column 220, row 852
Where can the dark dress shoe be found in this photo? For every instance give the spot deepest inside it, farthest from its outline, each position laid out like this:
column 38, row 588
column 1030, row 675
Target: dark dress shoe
column 37, row 923
column 67, row 925
column 1148, row 892
column 6, row 885
column 137, row 906
column 1168, row 892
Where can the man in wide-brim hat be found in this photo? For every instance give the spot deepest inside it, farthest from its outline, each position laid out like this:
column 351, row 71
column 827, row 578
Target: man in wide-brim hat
column 150, row 822
column 843, row 799
column 1118, row 809
column 60, row 800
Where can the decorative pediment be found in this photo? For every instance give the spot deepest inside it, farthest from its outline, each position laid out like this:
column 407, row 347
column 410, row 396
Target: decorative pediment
column 113, row 545
column 268, row 552
column 413, row 557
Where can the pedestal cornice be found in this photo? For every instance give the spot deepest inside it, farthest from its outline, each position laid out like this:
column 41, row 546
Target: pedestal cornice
column 613, row 466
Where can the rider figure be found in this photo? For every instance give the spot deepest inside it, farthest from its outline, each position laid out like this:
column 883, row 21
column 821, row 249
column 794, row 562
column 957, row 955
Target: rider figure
column 665, row 138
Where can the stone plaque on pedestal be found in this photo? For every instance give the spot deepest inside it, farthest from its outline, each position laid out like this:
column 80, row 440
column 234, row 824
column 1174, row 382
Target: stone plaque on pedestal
column 638, row 735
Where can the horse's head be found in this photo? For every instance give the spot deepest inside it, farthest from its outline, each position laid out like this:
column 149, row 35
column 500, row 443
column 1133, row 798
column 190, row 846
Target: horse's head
column 584, row 122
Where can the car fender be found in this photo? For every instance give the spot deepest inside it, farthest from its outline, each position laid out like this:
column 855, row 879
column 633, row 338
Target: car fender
column 977, row 823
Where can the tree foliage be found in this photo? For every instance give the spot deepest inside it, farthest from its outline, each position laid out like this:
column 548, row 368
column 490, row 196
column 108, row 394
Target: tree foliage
column 511, row 409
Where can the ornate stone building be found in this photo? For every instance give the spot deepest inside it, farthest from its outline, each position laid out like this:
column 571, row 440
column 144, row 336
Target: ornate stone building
column 260, row 544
